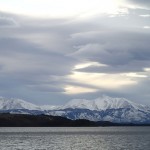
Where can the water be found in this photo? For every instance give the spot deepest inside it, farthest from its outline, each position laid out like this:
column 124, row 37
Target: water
column 99, row 138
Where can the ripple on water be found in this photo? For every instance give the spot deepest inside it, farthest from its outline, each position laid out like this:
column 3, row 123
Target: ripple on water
column 108, row 138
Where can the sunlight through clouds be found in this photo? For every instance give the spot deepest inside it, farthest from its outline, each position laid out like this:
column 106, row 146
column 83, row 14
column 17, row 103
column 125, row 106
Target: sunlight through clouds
column 88, row 64
column 58, row 8
column 60, row 49
column 101, row 80
column 71, row 89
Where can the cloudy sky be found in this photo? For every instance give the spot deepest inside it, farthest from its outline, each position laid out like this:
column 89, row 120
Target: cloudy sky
column 52, row 51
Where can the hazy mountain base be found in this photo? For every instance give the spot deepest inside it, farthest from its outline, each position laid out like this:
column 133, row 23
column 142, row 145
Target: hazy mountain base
column 122, row 115
column 23, row 120
column 112, row 115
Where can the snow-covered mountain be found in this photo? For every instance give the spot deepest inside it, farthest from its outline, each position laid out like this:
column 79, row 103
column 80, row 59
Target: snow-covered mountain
column 101, row 109
column 103, row 103
column 104, row 109
column 12, row 104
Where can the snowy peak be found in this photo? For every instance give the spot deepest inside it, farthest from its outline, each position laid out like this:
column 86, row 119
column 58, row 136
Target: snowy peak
column 78, row 103
column 9, row 104
column 101, row 109
column 106, row 102
column 102, row 103
column 15, row 104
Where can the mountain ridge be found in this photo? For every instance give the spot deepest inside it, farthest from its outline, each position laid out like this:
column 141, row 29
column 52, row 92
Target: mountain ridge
column 101, row 109
column 13, row 103
column 103, row 103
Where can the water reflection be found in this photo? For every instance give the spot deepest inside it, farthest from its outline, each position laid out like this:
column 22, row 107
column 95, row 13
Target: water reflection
column 108, row 138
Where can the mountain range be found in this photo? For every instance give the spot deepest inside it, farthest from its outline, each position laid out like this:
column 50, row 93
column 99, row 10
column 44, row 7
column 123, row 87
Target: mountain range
column 117, row 110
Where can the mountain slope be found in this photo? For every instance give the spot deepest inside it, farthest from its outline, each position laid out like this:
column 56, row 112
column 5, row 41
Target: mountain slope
column 122, row 115
column 103, row 103
column 22, row 120
column 11, row 104
column 105, row 108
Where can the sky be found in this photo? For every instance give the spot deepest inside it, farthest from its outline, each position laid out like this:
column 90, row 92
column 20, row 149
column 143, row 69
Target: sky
column 52, row 51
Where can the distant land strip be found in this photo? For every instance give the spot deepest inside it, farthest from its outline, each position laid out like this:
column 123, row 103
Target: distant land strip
column 25, row 120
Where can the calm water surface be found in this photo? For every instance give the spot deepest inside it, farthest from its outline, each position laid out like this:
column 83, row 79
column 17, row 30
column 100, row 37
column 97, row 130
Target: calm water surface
column 99, row 138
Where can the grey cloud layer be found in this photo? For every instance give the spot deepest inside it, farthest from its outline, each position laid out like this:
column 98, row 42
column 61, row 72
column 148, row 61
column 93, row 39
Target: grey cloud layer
column 37, row 56
column 28, row 67
column 143, row 2
column 7, row 22
column 122, row 51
